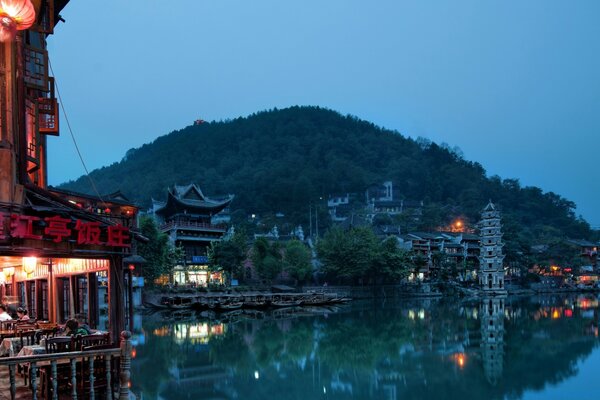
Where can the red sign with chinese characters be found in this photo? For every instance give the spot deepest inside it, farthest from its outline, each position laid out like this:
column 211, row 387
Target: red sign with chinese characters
column 60, row 229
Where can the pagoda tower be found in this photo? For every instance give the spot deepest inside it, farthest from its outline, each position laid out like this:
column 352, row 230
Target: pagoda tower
column 491, row 269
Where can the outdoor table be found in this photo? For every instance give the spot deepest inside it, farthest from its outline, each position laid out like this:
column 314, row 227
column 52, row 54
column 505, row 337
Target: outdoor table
column 7, row 333
column 33, row 350
column 10, row 346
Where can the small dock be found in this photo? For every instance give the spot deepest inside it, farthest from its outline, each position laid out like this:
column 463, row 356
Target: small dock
column 245, row 300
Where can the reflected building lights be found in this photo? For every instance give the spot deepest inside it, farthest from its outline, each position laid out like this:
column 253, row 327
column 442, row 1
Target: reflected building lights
column 199, row 333
column 460, row 359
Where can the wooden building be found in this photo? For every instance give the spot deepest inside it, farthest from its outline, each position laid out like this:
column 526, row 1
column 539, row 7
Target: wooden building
column 186, row 216
column 56, row 247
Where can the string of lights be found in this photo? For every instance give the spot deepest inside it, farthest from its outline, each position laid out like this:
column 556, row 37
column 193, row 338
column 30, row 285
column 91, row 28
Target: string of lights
column 62, row 106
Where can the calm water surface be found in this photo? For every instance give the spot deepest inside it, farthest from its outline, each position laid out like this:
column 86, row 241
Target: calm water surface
column 532, row 348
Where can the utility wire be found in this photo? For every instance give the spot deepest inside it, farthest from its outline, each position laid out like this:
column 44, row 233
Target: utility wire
column 62, row 106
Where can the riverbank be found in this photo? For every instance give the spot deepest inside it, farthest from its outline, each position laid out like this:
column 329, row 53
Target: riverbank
column 424, row 290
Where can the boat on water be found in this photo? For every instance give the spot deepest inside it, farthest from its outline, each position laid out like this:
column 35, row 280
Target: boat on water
column 229, row 306
column 255, row 301
column 339, row 300
column 171, row 303
column 316, row 299
column 176, row 303
column 285, row 303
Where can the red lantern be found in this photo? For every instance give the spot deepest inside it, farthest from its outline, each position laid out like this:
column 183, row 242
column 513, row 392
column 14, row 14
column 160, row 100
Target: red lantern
column 15, row 15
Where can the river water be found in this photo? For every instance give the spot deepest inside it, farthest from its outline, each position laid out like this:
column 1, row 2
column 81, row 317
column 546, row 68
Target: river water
column 500, row 348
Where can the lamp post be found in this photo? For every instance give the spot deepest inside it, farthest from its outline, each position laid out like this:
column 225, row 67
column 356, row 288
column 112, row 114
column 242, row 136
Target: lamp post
column 317, row 216
column 310, row 219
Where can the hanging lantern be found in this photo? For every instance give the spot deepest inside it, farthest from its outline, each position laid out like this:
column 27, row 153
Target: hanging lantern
column 29, row 264
column 15, row 15
column 8, row 273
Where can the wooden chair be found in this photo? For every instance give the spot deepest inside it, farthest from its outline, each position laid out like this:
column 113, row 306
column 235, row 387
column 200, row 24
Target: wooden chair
column 61, row 344
column 8, row 325
column 58, row 344
column 24, row 326
column 100, row 383
column 46, row 326
column 28, row 337
column 93, row 340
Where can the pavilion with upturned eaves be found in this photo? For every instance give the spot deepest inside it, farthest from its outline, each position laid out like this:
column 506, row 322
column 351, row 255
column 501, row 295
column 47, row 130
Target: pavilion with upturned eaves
column 186, row 216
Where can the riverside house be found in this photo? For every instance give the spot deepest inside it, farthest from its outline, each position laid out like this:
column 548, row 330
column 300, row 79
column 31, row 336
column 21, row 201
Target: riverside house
column 56, row 247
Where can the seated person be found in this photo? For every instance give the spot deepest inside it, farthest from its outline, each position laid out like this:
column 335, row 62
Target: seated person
column 82, row 324
column 4, row 316
column 72, row 328
column 22, row 314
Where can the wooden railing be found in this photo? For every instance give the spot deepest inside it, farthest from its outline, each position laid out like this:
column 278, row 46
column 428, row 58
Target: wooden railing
column 123, row 353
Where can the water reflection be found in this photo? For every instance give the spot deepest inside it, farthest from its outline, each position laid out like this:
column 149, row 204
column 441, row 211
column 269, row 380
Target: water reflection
column 493, row 348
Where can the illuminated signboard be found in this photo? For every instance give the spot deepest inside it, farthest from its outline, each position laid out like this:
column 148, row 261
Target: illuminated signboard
column 60, row 229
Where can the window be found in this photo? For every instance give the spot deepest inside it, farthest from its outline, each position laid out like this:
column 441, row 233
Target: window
column 36, row 68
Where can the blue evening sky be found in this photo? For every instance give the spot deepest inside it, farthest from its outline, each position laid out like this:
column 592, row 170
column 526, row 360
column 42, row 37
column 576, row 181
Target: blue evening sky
column 515, row 84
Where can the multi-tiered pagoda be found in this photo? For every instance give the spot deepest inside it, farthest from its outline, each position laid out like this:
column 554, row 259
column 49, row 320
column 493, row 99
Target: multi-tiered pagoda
column 186, row 216
column 491, row 270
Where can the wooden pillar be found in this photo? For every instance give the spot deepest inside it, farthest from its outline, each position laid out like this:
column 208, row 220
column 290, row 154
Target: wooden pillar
column 116, row 287
column 130, row 297
column 72, row 295
column 124, row 377
column 92, row 293
column 51, row 295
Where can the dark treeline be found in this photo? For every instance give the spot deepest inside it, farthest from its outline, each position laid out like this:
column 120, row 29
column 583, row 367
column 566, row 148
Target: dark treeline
column 282, row 160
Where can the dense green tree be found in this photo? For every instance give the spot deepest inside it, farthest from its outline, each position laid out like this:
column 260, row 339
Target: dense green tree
column 297, row 261
column 161, row 256
column 392, row 263
column 286, row 160
column 267, row 258
column 348, row 254
column 228, row 255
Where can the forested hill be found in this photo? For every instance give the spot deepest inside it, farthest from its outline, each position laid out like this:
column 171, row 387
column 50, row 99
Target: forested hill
column 282, row 160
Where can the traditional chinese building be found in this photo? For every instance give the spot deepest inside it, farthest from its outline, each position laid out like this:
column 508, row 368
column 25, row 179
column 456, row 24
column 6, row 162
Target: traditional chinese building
column 491, row 268
column 56, row 248
column 186, row 216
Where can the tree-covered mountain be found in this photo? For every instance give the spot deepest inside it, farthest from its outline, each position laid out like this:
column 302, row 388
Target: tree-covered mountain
column 282, row 160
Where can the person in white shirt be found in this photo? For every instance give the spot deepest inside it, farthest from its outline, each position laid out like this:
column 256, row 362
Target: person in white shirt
column 4, row 316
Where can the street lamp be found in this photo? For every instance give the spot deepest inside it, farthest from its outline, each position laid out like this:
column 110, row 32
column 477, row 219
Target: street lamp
column 316, row 204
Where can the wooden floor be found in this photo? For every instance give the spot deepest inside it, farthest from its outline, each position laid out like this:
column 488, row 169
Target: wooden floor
column 23, row 392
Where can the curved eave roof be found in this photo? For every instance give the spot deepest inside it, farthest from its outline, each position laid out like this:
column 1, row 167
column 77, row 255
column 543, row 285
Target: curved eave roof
column 174, row 205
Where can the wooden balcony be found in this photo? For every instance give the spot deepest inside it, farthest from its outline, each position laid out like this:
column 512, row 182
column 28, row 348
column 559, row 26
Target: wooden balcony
column 48, row 116
column 74, row 374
